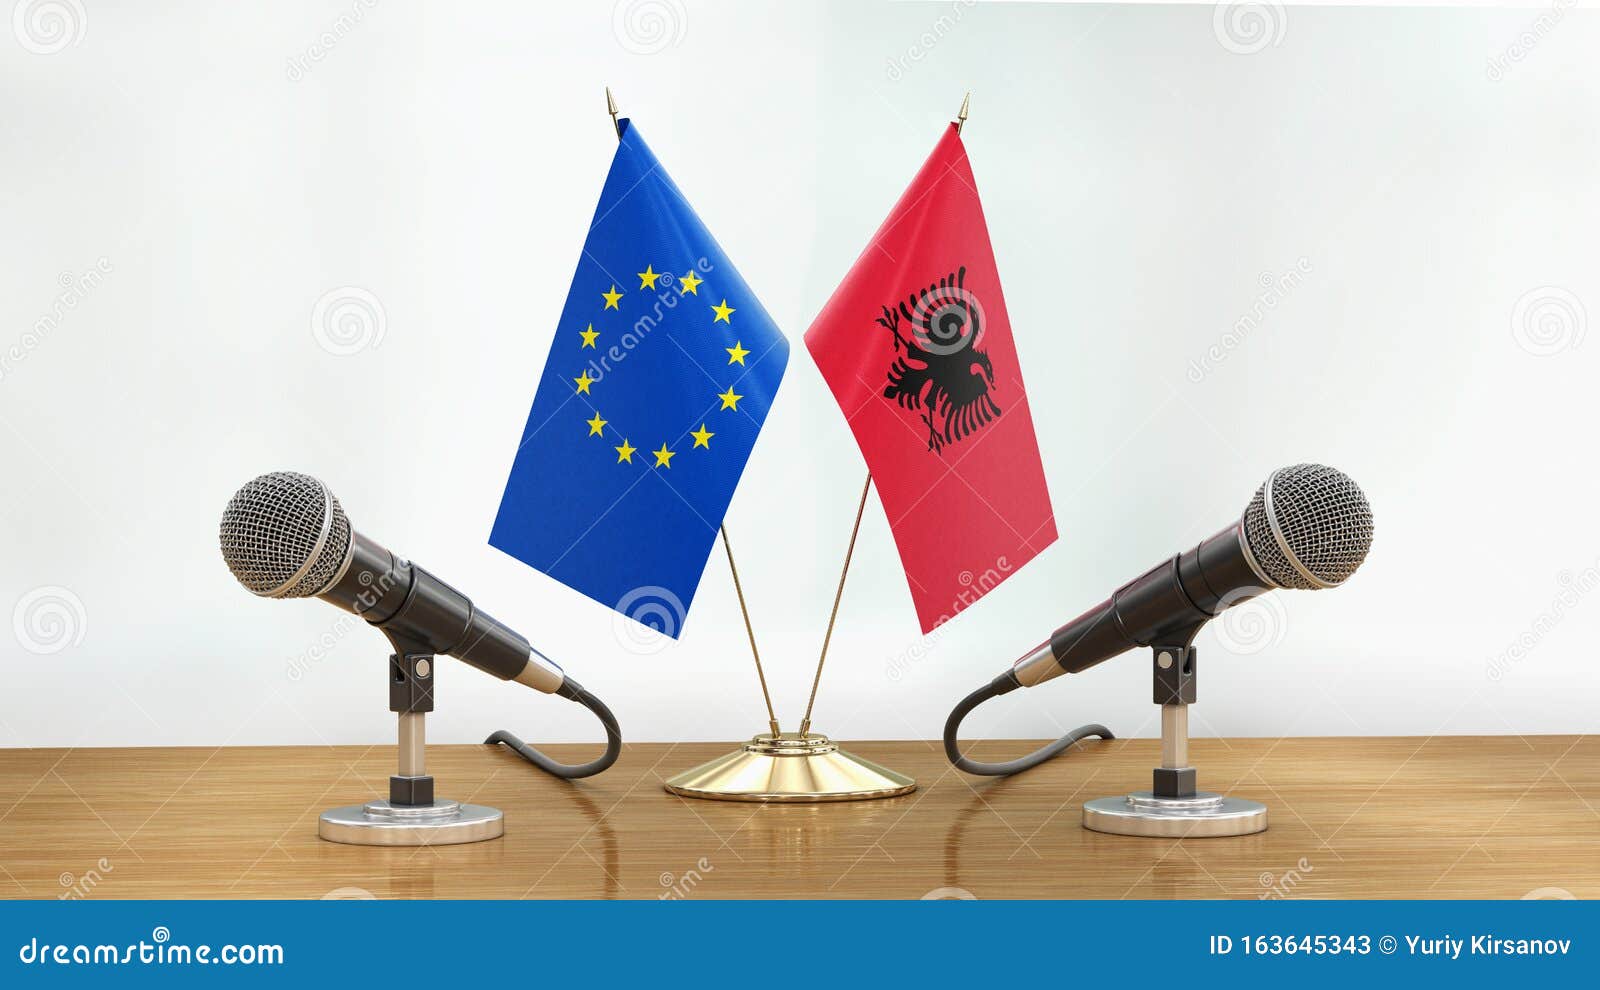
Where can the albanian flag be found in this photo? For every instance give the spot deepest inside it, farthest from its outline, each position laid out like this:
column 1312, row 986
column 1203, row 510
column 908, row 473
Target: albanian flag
column 917, row 348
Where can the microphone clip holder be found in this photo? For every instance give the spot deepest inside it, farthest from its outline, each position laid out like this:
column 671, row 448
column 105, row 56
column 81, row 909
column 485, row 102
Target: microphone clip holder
column 411, row 816
column 411, row 698
column 1174, row 807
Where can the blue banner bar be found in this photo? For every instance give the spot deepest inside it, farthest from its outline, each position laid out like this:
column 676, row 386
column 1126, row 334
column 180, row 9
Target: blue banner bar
column 752, row 944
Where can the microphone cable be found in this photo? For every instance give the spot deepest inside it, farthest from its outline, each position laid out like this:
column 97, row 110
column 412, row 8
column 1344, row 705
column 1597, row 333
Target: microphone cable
column 573, row 691
column 1005, row 684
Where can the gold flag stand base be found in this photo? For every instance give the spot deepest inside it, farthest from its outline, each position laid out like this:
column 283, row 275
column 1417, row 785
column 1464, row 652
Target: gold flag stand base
column 790, row 767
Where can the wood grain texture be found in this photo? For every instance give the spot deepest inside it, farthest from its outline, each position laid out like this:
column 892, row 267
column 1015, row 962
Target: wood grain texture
column 1441, row 817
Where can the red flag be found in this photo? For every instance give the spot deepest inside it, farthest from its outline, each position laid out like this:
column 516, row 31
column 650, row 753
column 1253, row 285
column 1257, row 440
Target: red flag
column 917, row 347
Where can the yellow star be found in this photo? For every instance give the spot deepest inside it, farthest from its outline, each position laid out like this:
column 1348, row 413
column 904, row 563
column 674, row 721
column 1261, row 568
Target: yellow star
column 588, row 334
column 625, row 452
column 647, row 278
column 690, row 283
column 612, row 297
column 736, row 353
column 722, row 312
column 702, row 437
column 595, row 424
column 584, row 381
column 730, row 400
column 664, row 456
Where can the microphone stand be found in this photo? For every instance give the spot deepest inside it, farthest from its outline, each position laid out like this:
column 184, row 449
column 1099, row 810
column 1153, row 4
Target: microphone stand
column 1174, row 807
column 411, row 816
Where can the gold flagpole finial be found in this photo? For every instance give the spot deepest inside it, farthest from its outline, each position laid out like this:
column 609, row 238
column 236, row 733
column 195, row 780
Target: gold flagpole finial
column 611, row 108
column 961, row 118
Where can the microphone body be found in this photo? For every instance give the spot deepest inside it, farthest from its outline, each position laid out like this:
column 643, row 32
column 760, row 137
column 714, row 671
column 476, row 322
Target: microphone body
column 1170, row 601
column 418, row 611
column 285, row 535
column 1308, row 526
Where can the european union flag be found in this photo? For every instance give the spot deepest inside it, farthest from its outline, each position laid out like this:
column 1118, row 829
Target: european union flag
column 662, row 371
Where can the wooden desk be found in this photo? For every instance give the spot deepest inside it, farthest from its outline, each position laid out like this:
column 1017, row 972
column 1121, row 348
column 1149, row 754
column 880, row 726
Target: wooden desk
column 1442, row 817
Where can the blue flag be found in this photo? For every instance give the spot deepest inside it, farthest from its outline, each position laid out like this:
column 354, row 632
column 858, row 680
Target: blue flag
column 663, row 369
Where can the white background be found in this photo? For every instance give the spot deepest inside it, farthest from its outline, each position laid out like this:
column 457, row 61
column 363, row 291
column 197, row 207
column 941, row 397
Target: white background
column 1142, row 169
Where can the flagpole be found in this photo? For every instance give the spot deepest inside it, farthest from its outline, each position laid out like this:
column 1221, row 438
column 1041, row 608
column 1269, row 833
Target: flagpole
column 805, row 723
column 772, row 718
column 850, row 549
column 738, row 588
column 611, row 108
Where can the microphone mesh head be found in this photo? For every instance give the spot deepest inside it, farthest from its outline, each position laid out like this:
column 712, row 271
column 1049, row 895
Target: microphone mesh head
column 1308, row 526
column 284, row 535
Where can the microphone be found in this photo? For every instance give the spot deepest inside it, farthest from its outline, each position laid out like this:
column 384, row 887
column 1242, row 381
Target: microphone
column 1307, row 527
column 285, row 535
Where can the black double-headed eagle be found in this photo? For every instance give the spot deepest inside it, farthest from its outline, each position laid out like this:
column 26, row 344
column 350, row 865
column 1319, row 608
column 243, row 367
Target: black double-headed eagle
column 940, row 368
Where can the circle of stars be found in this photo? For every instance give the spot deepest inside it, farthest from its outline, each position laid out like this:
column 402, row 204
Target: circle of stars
column 688, row 285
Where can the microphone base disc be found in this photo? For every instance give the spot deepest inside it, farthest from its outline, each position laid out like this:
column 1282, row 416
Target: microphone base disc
column 790, row 768
column 379, row 823
column 1201, row 816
